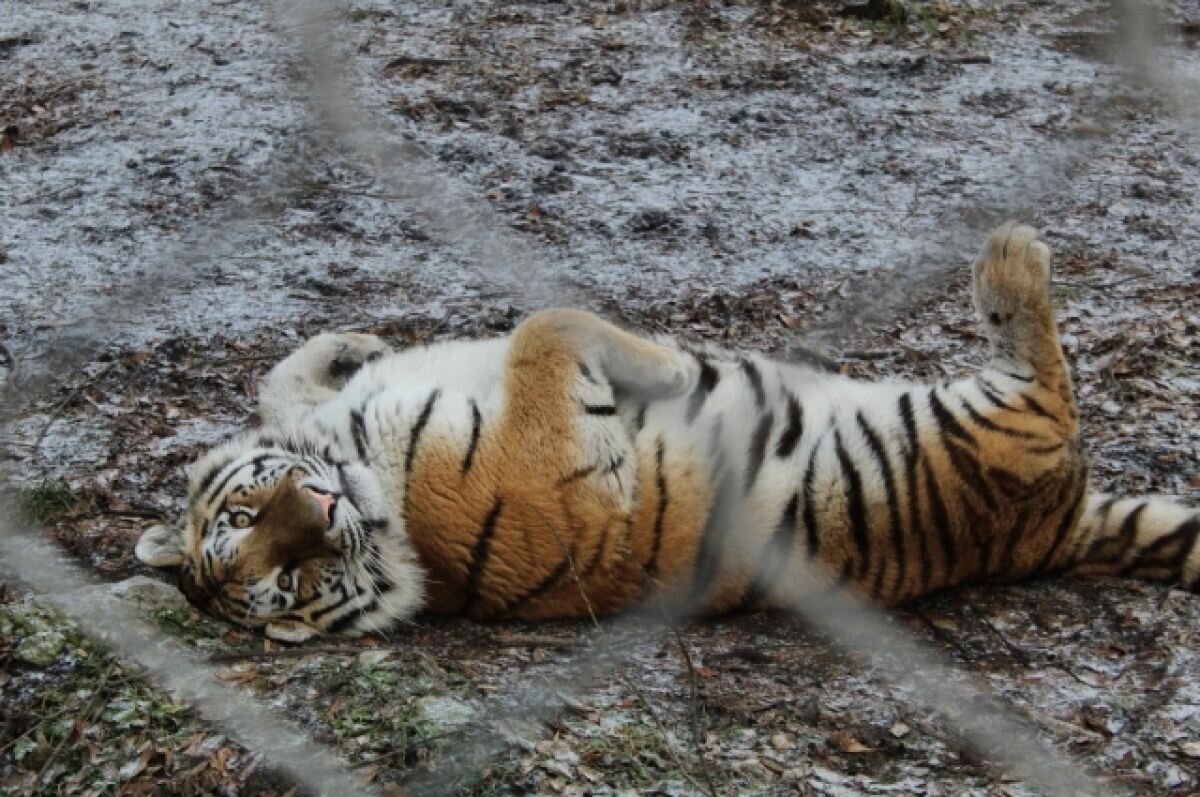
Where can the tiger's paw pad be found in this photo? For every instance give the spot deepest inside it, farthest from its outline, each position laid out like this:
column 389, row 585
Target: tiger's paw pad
column 1012, row 273
column 350, row 351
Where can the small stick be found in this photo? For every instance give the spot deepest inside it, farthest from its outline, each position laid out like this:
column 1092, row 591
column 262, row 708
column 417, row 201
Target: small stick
column 684, row 769
column 536, row 641
column 283, row 653
column 62, row 405
column 14, row 364
column 86, row 715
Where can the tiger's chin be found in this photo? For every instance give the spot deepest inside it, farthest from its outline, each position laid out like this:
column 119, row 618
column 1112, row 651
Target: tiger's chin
column 290, row 631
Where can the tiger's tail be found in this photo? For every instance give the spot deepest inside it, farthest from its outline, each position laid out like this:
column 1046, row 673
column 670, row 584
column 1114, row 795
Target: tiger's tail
column 1151, row 538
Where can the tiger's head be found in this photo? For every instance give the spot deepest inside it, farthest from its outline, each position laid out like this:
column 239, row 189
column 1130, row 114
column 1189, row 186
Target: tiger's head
column 280, row 536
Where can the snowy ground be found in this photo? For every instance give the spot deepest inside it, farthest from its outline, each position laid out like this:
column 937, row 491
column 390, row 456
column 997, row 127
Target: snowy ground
column 758, row 172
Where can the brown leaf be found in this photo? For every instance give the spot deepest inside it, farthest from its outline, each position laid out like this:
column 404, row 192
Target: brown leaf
column 848, row 744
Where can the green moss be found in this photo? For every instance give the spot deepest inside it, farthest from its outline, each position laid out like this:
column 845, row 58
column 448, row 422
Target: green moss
column 189, row 626
column 50, row 500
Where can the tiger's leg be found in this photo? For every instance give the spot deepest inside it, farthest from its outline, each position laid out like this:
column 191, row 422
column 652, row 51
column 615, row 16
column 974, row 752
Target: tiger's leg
column 551, row 482
column 1149, row 537
column 313, row 374
column 1012, row 296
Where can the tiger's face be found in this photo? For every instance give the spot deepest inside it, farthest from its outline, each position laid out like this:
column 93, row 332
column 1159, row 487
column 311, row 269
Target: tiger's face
column 281, row 538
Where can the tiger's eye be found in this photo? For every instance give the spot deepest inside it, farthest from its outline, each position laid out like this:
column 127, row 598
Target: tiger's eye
column 284, row 581
column 242, row 520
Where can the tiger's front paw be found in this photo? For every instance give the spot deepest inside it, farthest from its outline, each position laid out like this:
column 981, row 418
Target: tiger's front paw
column 660, row 372
column 1012, row 274
column 1012, row 296
column 349, row 351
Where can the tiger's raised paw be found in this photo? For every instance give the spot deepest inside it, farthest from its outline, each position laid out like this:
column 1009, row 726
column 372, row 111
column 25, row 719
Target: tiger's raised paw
column 658, row 372
column 352, row 350
column 1012, row 291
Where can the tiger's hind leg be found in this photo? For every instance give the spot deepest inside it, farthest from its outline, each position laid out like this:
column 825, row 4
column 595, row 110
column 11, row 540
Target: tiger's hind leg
column 548, row 481
column 1012, row 295
column 1151, row 538
column 314, row 373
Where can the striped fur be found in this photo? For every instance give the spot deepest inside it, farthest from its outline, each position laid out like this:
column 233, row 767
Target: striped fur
column 574, row 468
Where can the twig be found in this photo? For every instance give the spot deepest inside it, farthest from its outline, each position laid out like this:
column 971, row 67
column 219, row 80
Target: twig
column 969, row 58
column 149, row 514
column 14, row 364
column 694, row 710
column 421, row 60
column 86, row 716
column 536, row 641
column 51, row 718
column 283, row 653
column 684, row 769
column 1016, row 652
column 335, row 189
column 62, row 405
column 1100, row 286
column 870, row 356
column 250, row 358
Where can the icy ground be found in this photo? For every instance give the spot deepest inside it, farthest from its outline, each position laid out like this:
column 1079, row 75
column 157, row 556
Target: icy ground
column 757, row 172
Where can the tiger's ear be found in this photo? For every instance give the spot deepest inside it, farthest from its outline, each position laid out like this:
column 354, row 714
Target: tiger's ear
column 161, row 546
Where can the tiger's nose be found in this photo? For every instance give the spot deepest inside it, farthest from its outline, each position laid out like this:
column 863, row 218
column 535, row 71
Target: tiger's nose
column 325, row 501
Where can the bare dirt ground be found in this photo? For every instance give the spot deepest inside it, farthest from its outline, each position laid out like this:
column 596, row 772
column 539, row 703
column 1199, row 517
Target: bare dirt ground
column 761, row 173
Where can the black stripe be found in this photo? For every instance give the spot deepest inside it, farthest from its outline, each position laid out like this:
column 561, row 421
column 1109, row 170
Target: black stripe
column 946, row 421
column 941, row 523
column 660, row 480
column 758, row 449
column 1037, row 409
column 854, row 504
column 333, row 607
column 1111, row 550
column 586, row 372
column 1160, row 553
column 970, row 473
column 476, row 426
column 418, row 427
column 1026, row 379
column 912, row 455
column 775, row 557
column 712, row 538
column 1065, row 525
column 344, row 622
column 986, row 423
column 480, row 554
column 576, row 475
column 812, row 540
column 755, row 379
column 235, row 470
column 600, row 409
column 1049, row 449
column 1012, row 485
column 540, row 588
column 639, row 422
column 358, row 432
column 992, row 394
column 212, row 475
column 709, row 377
column 893, row 500
column 594, row 562
column 1007, row 562
column 793, row 430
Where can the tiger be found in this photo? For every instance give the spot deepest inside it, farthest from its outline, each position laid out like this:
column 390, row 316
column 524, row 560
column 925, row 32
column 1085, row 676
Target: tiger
column 573, row 468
